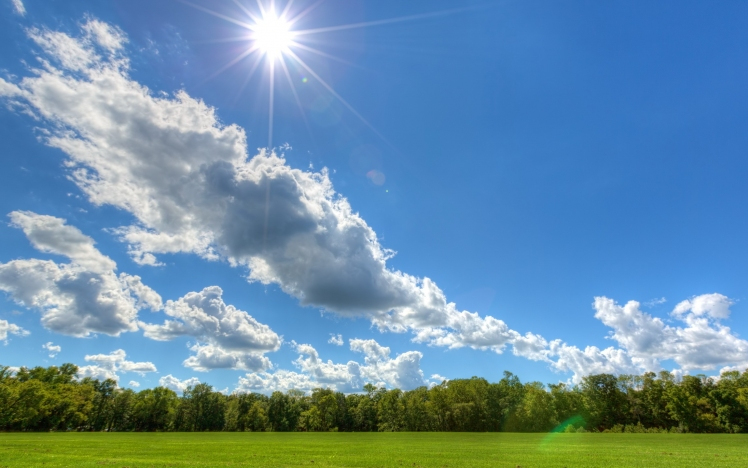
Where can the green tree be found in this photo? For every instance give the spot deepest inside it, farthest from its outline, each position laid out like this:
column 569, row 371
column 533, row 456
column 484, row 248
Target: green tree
column 390, row 411
column 604, row 401
column 536, row 412
column 155, row 409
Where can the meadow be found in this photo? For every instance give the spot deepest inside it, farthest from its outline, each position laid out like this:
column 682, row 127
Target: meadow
column 509, row 450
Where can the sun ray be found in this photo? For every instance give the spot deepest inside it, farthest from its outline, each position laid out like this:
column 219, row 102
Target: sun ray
column 233, row 62
column 251, row 72
column 296, row 96
column 306, row 11
column 326, row 55
column 246, row 11
column 244, row 38
column 272, row 97
column 218, row 15
column 367, row 24
column 262, row 8
column 286, row 9
column 334, row 93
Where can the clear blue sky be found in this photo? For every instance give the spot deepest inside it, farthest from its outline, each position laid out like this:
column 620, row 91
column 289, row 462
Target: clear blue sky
column 477, row 186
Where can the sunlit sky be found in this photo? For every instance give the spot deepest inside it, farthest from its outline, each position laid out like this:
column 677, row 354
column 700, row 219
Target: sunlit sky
column 265, row 197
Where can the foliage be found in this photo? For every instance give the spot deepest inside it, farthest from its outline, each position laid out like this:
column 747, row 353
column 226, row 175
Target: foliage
column 53, row 399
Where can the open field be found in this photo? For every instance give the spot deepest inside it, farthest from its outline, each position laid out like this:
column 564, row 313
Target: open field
column 371, row 450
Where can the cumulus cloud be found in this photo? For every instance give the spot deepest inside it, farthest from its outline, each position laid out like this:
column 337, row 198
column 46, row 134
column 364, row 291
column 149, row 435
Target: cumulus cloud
column 379, row 368
column 107, row 366
column 97, row 373
column 134, row 384
column 337, row 340
column 18, row 7
column 179, row 386
column 86, row 296
column 228, row 337
column 714, row 305
column 52, row 235
column 7, row 328
column 436, row 379
column 52, row 348
column 78, row 298
column 701, row 343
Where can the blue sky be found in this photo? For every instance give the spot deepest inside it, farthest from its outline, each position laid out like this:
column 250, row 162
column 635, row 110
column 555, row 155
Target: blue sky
column 471, row 188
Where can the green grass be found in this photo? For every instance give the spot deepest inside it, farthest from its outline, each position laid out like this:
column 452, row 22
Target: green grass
column 371, row 450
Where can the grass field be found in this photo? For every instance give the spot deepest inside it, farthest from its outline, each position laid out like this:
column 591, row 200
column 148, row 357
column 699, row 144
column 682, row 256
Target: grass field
column 372, row 450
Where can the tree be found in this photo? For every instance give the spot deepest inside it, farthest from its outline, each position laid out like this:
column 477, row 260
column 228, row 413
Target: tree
column 604, row 401
column 390, row 411
column 690, row 404
column 154, row 409
column 537, row 411
column 204, row 408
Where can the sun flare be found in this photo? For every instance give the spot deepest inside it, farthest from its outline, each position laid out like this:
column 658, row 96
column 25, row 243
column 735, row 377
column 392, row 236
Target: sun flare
column 276, row 41
column 272, row 35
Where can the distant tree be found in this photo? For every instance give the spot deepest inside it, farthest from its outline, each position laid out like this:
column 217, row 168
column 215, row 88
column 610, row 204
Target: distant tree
column 390, row 411
column 604, row 401
column 154, row 409
column 536, row 412
column 204, row 408
column 690, row 404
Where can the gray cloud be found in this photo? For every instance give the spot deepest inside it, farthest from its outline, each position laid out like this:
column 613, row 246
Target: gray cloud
column 78, row 298
column 231, row 338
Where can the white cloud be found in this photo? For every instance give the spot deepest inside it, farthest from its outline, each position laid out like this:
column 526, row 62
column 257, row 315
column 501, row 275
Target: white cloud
column 7, row 328
column 591, row 360
column 179, row 386
column 229, row 337
column 52, row 348
column 713, row 305
column 280, row 380
column 703, row 343
column 530, row 346
column 337, row 340
column 52, row 235
column 655, row 302
column 134, row 384
column 436, row 379
column 401, row 372
column 110, row 38
column 78, row 298
column 107, row 366
column 18, row 7
column 97, row 373
column 646, row 341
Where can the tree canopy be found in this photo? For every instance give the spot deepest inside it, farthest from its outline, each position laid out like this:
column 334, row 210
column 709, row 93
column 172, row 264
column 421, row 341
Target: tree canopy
column 54, row 399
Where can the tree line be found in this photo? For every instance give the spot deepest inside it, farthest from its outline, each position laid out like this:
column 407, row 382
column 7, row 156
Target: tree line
column 54, row 399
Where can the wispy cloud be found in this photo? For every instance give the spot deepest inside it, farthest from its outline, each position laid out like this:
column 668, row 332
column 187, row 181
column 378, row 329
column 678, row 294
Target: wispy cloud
column 19, row 8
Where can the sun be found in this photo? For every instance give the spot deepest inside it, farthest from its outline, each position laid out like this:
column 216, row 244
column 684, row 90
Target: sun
column 272, row 35
column 275, row 40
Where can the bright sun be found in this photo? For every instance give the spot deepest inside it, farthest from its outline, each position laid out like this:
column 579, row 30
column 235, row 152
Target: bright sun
column 276, row 41
column 272, row 35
